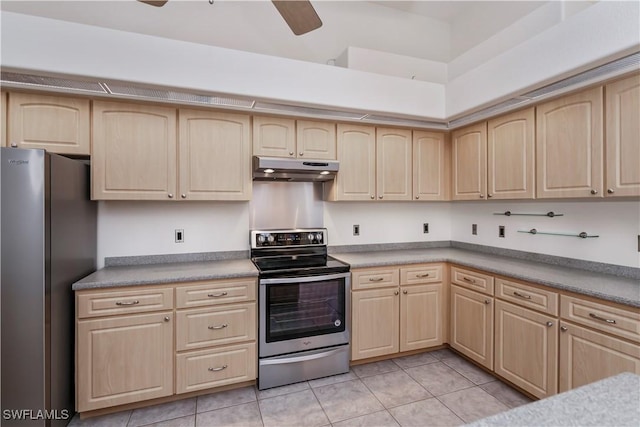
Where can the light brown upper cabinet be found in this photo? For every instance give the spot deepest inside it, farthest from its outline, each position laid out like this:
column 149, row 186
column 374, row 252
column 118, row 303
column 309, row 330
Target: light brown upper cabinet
column 569, row 146
column 356, row 151
column 393, row 171
column 3, row 119
column 134, row 152
column 431, row 155
column 282, row 137
column 57, row 124
column 469, row 162
column 215, row 156
column 510, row 156
column 623, row 137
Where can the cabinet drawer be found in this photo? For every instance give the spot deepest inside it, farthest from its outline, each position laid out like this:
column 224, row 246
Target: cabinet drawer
column 624, row 323
column 215, row 325
column 375, row 278
column 418, row 274
column 472, row 280
column 218, row 292
column 198, row 370
column 94, row 304
column 527, row 296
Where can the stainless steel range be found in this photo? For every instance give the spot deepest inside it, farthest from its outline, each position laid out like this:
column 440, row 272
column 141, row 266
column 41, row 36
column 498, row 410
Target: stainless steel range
column 304, row 307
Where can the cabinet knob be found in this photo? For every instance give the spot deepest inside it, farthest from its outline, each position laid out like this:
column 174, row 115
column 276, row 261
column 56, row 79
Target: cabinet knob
column 14, row 145
column 563, row 328
column 396, row 293
column 489, row 195
column 184, row 196
column 373, row 197
column 417, row 197
column 482, row 196
column 301, row 154
column 549, row 324
column 170, row 195
column 291, row 153
column 487, row 302
column 379, row 197
column 167, row 318
column 405, row 292
column 610, row 190
column 594, row 191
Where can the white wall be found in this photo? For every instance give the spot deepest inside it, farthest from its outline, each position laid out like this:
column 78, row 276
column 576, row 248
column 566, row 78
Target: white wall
column 616, row 222
column 147, row 228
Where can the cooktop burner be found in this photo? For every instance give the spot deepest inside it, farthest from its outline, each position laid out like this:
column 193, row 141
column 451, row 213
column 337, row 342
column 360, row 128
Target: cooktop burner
column 290, row 253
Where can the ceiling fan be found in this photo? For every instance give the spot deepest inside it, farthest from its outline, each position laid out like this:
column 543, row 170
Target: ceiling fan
column 299, row 15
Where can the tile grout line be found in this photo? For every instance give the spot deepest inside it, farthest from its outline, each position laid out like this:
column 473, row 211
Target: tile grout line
column 320, row 403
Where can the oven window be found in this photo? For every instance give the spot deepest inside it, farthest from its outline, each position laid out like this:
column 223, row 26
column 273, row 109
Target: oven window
column 296, row 310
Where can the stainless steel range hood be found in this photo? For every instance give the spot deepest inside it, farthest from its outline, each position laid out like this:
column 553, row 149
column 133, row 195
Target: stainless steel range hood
column 281, row 169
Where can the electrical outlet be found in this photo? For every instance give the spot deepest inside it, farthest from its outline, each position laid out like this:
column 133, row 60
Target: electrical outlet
column 179, row 233
column 638, row 242
column 425, row 228
column 356, row 230
column 474, row 229
column 501, row 231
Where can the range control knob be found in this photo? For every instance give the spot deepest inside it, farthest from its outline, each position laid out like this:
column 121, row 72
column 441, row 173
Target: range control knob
column 319, row 237
column 261, row 238
column 310, row 237
column 270, row 238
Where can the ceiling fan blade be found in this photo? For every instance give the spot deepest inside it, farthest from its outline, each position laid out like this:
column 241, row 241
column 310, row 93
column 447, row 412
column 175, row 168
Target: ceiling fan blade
column 299, row 15
column 156, row 3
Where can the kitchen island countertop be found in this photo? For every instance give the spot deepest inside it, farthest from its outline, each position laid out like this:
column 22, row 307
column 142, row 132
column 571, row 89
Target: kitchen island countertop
column 614, row 401
column 605, row 286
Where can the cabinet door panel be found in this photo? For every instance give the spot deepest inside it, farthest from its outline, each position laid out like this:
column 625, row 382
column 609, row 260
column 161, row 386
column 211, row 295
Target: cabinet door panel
column 393, row 153
column 430, row 170
column 587, row 356
column 53, row 123
column 316, row 140
column 569, row 146
column 510, row 147
column 274, row 137
column 215, row 158
column 134, row 152
column 623, row 137
column 472, row 325
column 374, row 323
column 357, row 155
column 469, row 147
column 526, row 350
column 420, row 316
column 124, row 359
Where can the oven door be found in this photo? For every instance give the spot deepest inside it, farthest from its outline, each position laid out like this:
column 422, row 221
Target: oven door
column 304, row 313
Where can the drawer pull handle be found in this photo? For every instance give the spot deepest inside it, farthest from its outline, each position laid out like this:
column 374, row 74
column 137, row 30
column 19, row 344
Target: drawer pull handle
column 218, row 369
column 221, row 294
column 422, row 275
column 595, row 316
column 466, row 279
column 224, row 325
column 376, row 279
column 134, row 302
column 518, row 294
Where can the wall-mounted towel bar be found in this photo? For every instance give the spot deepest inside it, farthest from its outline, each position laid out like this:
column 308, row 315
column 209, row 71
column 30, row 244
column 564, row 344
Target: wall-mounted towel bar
column 582, row 235
column 509, row 213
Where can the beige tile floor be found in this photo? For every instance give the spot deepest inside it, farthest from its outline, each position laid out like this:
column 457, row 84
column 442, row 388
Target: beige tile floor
column 429, row 389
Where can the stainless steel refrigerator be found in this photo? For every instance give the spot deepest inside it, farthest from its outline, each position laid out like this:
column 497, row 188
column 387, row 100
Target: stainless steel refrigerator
column 48, row 241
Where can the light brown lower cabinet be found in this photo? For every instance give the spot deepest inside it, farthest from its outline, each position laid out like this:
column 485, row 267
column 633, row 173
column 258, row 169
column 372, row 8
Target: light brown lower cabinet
column 472, row 325
column 420, row 316
column 526, row 350
column 124, row 359
column 587, row 356
column 374, row 326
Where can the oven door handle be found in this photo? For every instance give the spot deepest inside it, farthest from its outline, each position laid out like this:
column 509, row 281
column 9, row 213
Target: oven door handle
column 304, row 279
column 296, row 359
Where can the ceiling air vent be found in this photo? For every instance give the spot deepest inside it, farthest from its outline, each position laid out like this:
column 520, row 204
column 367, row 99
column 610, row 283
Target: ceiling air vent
column 29, row 80
column 307, row 111
column 609, row 70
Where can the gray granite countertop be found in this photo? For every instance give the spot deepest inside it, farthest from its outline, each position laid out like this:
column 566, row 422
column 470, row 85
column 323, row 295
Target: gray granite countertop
column 166, row 273
column 614, row 401
column 605, row 286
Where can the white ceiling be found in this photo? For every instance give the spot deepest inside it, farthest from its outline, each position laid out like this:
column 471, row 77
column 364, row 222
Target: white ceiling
column 433, row 30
